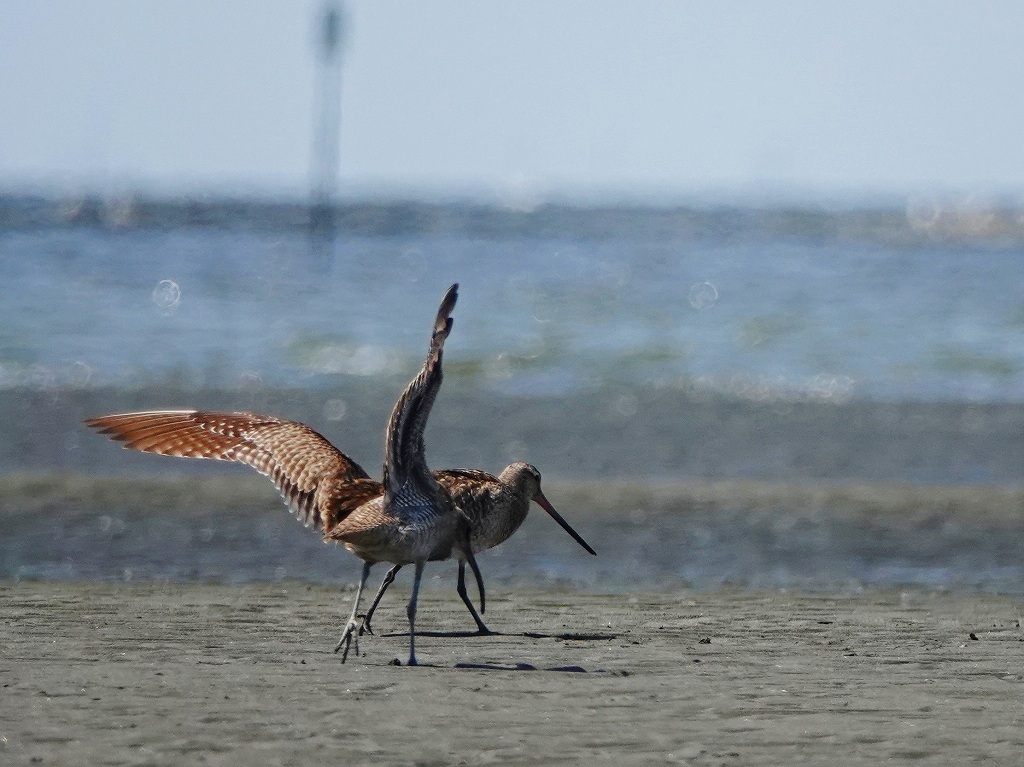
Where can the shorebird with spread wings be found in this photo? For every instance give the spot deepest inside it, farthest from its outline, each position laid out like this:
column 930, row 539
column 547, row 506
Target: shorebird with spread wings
column 408, row 518
column 412, row 517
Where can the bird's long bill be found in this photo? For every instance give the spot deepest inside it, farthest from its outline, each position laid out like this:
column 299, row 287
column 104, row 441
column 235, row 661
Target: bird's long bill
column 543, row 503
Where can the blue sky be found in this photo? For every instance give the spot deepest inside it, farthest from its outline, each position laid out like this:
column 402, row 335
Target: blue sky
column 521, row 97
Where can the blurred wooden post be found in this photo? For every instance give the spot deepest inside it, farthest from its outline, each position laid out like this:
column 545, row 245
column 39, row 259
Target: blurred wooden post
column 327, row 124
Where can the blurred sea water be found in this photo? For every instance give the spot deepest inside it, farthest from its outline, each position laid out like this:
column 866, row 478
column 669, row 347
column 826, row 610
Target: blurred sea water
column 878, row 350
column 552, row 301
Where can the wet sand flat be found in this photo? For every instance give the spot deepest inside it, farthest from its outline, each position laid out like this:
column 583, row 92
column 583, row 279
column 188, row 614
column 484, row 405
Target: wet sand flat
column 184, row 674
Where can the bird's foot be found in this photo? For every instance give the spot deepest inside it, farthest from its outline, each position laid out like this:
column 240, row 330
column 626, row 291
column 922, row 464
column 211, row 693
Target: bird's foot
column 481, row 627
column 350, row 634
column 364, row 627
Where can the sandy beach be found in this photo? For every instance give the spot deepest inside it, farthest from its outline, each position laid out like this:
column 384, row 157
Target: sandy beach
column 168, row 674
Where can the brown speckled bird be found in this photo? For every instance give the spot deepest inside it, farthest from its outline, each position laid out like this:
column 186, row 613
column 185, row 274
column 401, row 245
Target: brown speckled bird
column 496, row 507
column 408, row 518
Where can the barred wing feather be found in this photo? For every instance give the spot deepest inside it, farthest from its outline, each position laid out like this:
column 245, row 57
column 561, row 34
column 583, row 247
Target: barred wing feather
column 294, row 456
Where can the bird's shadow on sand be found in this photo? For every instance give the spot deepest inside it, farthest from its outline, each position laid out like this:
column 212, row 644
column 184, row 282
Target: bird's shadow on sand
column 511, row 667
column 528, row 634
column 565, row 669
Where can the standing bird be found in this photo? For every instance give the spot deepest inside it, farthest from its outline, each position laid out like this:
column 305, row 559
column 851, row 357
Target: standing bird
column 408, row 518
column 495, row 507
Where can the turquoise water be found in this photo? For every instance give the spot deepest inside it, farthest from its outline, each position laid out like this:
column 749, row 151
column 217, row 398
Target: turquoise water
column 542, row 310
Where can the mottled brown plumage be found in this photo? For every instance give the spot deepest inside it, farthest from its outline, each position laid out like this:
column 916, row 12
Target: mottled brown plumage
column 495, row 508
column 408, row 518
column 317, row 481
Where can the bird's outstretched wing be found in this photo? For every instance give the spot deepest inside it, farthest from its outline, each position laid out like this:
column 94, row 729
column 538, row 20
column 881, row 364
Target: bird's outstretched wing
column 298, row 460
column 405, row 465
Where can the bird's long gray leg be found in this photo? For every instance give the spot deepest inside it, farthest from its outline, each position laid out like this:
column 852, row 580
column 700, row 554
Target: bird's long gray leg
column 479, row 580
column 411, row 611
column 480, row 625
column 388, row 580
column 351, row 628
